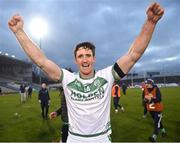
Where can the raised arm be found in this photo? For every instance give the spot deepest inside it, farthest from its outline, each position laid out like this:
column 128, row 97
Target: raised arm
column 154, row 13
column 33, row 52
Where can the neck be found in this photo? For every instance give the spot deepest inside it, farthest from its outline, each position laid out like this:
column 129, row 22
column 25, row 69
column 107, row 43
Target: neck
column 87, row 76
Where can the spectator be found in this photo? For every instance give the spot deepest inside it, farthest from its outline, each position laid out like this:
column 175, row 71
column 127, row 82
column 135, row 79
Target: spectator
column 29, row 91
column 153, row 100
column 124, row 88
column 64, row 117
column 0, row 91
column 143, row 86
column 116, row 93
column 44, row 100
column 22, row 92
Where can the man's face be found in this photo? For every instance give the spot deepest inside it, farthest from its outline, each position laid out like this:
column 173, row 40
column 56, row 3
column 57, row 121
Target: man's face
column 85, row 61
column 149, row 86
column 43, row 85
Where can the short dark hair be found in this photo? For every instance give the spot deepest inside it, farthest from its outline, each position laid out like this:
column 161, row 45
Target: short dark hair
column 149, row 81
column 85, row 45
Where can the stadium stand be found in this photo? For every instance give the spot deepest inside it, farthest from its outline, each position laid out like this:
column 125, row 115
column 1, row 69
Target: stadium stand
column 165, row 79
column 7, row 90
column 14, row 71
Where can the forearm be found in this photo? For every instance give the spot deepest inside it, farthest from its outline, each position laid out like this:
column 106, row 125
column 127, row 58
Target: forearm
column 141, row 42
column 59, row 111
column 37, row 56
column 143, row 95
column 31, row 49
column 158, row 96
column 39, row 96
column 137, row 48
column 33, row 52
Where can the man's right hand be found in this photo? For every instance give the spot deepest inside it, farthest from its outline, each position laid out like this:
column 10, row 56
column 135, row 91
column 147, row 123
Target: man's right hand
column 16, row 23
column 52, row 115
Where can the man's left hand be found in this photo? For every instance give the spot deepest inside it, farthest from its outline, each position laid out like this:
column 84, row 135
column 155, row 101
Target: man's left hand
column 154, row 13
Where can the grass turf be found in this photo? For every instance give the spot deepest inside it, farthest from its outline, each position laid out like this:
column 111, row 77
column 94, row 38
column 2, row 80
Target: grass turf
column 28, row 125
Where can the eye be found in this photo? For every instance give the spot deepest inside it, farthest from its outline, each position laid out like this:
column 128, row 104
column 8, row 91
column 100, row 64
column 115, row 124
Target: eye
column 88, row 55
column 80, row 56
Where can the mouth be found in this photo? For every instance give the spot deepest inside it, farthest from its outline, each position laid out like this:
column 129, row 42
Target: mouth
column 85, row 65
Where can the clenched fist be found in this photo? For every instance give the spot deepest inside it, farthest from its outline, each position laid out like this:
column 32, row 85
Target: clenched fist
column 154, row 12
column 52, row 115
column 16, row 23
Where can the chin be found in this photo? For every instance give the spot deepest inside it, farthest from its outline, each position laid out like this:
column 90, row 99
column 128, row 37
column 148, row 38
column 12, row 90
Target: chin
column 87, row 72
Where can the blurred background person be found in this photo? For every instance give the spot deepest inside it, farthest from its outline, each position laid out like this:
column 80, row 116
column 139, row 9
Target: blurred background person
column 143, row 86
column 116, row 93
column 64, row 117
column 153, row 100
column 124, row 88
column 44, row 100
column 22, row 92
column 29, row 91
column 0, row 91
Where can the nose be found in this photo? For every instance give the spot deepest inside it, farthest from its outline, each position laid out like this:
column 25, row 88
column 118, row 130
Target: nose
column 84, row 58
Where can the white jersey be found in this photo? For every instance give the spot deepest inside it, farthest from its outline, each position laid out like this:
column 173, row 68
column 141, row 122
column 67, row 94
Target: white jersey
column 88, row 102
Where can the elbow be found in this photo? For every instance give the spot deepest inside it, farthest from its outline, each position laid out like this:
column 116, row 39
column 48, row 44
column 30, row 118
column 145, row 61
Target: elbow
column 55, row 78
column 52, row 76
column 40, row 63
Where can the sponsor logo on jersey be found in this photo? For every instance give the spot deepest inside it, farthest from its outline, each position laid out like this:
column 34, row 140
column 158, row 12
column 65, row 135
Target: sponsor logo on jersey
column 86, row 92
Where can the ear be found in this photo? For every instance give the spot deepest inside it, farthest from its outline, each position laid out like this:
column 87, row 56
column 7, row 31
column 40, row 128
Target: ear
column 75, row 61
column 94, row 59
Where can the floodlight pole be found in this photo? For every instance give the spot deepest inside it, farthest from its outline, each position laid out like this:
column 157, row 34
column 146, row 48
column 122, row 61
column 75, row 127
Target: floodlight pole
column 39, row 29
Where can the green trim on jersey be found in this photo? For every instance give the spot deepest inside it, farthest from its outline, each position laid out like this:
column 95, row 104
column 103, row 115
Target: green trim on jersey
column 115, row 75
column 88, row 77
column 110, row 139
column 79, row 86
column 91, row 135
column 65, row 123
column 62, row 75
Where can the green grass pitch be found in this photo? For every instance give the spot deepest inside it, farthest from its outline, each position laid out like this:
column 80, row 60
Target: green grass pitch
column 28, row 126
